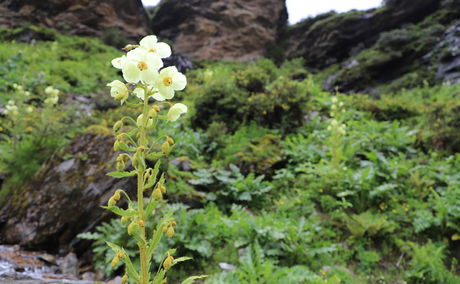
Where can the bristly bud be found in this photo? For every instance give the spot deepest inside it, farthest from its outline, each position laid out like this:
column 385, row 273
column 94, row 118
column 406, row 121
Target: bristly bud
column 132, row 227
column 170, row 232
column 124, row 279
column 170, row 140
column 153, row 112
column 120, row 165
column 173, row 223
column 162, row 188
column 116, row 195
column 120, row 255
column 125, row 220
column 116, row 145
column 129, row 47
column 115, row 261
column 163, row 281
column 165, row 147
column 112, row 201
column 141, row 223
column 117, row 126
column 165, row 229
column 167, row 264
column 156, row 194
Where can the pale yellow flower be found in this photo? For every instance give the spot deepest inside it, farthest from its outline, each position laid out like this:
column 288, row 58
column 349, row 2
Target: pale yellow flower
column 175, row 111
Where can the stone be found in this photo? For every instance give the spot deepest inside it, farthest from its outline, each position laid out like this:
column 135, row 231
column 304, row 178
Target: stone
column 78, row 17
column 65, row 196
column 331, row 38
column 220, row 30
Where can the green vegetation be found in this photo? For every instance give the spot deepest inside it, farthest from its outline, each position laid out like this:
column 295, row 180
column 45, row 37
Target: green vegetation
column 257, row 193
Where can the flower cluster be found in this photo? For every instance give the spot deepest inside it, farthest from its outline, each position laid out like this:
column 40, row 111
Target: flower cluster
column 335, row 124
column 53, row 96
column 141, row 70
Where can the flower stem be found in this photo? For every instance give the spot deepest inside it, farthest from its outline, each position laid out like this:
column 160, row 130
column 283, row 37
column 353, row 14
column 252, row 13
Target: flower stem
column 140, row 197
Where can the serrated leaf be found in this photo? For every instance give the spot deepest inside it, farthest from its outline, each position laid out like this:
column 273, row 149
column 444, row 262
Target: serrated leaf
column 192, row 279
column 119, row 211
column 122, row 174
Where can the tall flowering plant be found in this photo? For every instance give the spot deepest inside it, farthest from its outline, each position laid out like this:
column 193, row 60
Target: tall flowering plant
column 148, row 86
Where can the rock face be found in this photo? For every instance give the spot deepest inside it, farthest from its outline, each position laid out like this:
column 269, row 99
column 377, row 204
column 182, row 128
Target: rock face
column 220, row 29
column 65, row 196
column 449, row 65
column 78, row 17
column 331, row 38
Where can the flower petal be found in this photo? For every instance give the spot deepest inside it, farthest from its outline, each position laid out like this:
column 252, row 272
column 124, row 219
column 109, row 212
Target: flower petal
column 166, row 92
column 140, row 93
column 131, row 73
column 149, row 76
column 119, row 62
column 163, row 49
column 179, row 81
column 153, row 61
column 148, row 42
column 158, row 97
column 175, row 111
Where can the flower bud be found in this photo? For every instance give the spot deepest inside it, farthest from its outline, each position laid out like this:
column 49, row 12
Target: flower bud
column 124, row 279
column 153, row 112
column 141, row 223
column 156, row 194
column 132, row 227
column 116, row 145
column 115, row 261
column 165, row 229
column 167, row 264
column 120, row 166
column 112, row 201
column 120, row 255
column 170, row 232
column 170, row 140
column 173, row 223
column 162, row 188
column 117, row 126
column 116, row 195
column 125, row 220
column 165, row 147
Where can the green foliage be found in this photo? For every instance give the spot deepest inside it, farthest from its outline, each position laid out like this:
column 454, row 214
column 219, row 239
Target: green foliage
column 427, row 265
column 238, row 94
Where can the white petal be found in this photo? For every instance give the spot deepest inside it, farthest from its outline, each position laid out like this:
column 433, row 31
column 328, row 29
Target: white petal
column 163, row 49
column 153, row 61
column 166, row 92
column 140, row 93
column 131, row 73
column 148, row 42
column 168, row 71
column 158, row 97
column 176, row 110
column 137, row 54
column 149, row 76
column 179, row 81
column 119, row 62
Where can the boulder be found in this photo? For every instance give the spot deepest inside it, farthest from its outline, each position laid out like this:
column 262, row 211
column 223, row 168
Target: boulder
column 331, row 38
column 65, row 196
column 78, row 17
column 220, row 29
column 449, row 64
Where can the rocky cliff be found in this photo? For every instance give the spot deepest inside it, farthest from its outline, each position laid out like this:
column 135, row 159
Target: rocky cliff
column 78, row 17
column 220, row 30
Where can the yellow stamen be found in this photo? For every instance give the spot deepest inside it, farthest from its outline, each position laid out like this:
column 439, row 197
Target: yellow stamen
column 167, row 81
column 142, row 66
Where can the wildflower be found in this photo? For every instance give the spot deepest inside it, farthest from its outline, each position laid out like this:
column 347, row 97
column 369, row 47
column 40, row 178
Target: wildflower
column 29, row 109
column 118, row 90
column 175, row 111
column 334, row 100
column 170, row 232
column 141, row 65
column 11, row 108
column 150, row 44
column 170, row 80
column 50, row 91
